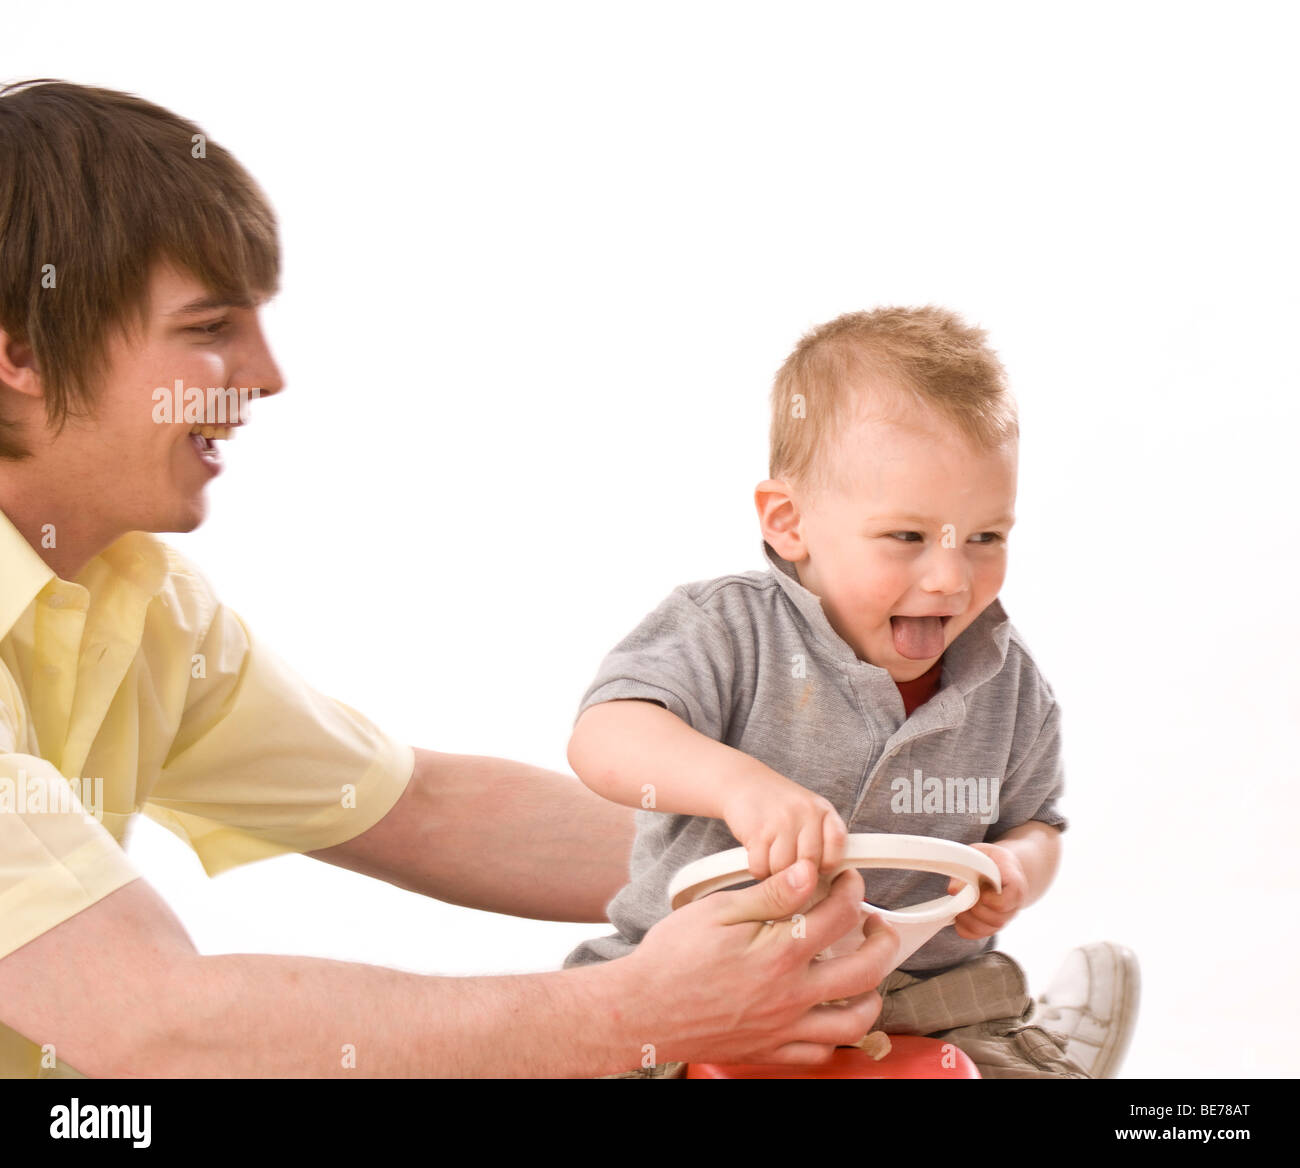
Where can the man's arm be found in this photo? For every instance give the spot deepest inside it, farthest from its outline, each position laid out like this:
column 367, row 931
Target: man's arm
column 497, row 835
column 119, row 990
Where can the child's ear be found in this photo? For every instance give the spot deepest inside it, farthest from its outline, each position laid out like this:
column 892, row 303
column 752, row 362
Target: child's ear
column 778, row 517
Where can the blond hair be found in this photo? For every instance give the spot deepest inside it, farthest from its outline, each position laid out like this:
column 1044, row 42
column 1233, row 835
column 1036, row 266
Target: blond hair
column 96, row 187
column 880, row 361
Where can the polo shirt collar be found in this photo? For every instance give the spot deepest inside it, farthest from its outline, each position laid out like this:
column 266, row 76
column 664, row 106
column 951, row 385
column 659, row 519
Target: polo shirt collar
column 138, row 558
column 25, row 574
column 976, row 656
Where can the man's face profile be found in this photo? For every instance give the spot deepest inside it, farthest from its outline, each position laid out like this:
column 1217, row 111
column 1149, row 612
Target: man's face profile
column 121, row 468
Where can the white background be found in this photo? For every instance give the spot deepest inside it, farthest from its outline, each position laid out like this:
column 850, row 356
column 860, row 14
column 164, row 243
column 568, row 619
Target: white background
column 541, row 262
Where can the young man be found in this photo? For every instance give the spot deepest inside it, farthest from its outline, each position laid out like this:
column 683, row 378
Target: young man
column 134, row 254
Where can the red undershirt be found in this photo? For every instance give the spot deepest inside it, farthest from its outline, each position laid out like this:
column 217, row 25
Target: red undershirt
column 920, row 690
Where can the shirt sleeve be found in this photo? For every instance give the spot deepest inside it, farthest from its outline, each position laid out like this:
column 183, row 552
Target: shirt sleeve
column 1034, row 789
column 263, row 765
column 56, row 857
column 680, row 656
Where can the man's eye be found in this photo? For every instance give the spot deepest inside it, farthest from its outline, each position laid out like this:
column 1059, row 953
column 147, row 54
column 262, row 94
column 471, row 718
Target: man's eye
column 212, row 329
column 993, row 537
column 896, row 534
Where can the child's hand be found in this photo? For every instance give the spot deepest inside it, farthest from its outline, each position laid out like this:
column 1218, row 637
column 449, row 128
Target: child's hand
column 993, row 910
column 779, row 822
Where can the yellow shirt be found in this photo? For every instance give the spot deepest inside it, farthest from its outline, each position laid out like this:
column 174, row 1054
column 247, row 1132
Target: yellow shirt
column 135, row 689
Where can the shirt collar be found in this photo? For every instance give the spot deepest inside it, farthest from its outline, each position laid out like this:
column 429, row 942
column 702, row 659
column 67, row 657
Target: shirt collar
column 138, row 558
column 977, row 654
column 25, row 574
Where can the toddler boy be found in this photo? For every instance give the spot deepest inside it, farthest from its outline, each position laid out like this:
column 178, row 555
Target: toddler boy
column 869, row 681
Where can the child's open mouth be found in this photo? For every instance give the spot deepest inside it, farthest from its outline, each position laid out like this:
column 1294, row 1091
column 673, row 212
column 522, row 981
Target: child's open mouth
column 918, row 637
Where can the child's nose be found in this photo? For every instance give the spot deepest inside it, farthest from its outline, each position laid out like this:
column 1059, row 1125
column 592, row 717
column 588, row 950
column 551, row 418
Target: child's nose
column 945, row 571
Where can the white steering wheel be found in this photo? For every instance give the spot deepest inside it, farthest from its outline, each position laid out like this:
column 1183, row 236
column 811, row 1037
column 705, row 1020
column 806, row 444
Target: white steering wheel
column 915, row 925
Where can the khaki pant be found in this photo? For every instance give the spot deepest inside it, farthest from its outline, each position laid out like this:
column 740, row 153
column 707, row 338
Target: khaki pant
column 981, row 1006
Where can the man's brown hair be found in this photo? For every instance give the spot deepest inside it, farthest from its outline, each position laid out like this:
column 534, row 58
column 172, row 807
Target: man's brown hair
column 96, row 187
column 875, row 361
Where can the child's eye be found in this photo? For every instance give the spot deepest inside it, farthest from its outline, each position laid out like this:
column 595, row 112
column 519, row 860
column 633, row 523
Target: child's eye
column 992, row 537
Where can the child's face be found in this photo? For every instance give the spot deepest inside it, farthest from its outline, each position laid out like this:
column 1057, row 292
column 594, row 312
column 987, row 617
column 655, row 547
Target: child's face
column 876, row 546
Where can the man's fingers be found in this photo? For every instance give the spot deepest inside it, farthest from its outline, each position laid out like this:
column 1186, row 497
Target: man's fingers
column 802, row 1054
column 787, row 892
column 840, row 1025
column 776, row 898
column 797, row 1054
column 861, row 971
column 826, row 1027
column 834, row 916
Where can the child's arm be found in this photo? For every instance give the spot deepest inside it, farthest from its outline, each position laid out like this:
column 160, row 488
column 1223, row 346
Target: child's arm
column 1037, row 846
column 1027, row 857
column 639, row 754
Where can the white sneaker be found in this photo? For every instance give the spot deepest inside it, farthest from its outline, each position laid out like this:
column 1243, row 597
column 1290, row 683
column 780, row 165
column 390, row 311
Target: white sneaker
column 1092, row 1005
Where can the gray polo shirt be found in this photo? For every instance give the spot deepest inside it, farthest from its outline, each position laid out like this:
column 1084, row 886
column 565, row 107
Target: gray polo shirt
column 751, row 660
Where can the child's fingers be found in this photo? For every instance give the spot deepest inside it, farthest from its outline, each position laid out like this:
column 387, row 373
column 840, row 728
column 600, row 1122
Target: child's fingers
column 997, row 901
column 982, row 923
column 972, row 924
column 990, row 916
column 784, row 851
column 834, row 836
column 810, row 843
column 987, row 896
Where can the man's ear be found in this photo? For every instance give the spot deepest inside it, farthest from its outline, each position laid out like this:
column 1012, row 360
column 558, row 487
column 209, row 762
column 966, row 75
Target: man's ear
column 18, row 366
column 780, row 520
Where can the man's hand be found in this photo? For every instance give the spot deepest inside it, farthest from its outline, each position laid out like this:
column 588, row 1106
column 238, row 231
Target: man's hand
column 731, row 978
column 993, row 910
column 779, row 822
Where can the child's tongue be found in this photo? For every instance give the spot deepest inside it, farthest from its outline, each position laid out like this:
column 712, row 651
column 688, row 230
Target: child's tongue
column 918, row 637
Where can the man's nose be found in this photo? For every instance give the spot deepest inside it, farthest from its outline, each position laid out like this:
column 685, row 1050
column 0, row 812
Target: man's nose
column 260, row 370
column 271, row 380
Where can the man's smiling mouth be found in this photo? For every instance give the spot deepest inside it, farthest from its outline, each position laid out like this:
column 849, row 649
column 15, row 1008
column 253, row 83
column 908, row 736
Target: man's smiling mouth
column 215, row 433
column 204, row 439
